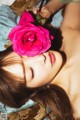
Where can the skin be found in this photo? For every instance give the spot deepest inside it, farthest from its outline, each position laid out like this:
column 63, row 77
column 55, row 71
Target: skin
column 50, row 8
column 39, row 70
column 66, row 76
column 69, row 76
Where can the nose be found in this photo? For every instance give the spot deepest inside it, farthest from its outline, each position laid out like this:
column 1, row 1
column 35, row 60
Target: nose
column 39, row 58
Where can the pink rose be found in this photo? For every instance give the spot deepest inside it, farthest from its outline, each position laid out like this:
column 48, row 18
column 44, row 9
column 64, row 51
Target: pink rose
column 25, row 18
column 29, row 39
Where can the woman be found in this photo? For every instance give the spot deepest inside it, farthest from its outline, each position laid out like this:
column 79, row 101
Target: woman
column 70, row 29
column 16, row 89
column 47, row 68
column 70, row 25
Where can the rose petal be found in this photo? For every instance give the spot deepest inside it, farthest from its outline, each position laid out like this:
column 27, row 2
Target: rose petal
column 25, row 18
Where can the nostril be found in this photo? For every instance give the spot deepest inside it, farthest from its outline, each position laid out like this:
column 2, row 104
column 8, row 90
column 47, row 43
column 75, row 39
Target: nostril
column 44, row 58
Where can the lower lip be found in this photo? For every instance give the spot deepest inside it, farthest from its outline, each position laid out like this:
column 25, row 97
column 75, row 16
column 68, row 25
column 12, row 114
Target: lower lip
column 52, row 58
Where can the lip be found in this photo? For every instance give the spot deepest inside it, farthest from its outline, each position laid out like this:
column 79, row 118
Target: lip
column 52, row 58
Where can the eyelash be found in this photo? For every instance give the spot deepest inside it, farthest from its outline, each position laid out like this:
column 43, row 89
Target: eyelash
column 32, row 72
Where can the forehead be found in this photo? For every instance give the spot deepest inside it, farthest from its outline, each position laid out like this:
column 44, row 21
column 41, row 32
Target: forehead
column 14, row 65
column 16, row 69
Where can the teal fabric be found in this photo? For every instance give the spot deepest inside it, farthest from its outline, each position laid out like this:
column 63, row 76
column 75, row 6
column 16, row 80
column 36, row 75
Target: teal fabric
column 57, row 19
column 8, row 19
column 6, row 109
column 7, row 2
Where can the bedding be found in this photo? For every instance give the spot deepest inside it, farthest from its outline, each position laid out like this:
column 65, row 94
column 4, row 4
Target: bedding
column 29, row 111
column 67, row 1
column 8, row 19
column 6, row 2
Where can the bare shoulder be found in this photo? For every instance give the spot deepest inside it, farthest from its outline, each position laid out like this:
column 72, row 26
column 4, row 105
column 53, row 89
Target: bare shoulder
column 70, row 34
column 71, row 21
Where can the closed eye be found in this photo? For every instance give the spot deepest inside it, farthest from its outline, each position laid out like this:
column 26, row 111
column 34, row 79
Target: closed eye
column 32, row 71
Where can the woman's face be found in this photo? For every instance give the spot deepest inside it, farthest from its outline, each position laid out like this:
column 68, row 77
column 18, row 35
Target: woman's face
column 39, row 70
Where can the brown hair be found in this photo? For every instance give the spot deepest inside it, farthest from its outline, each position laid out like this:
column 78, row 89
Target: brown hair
column 14, row 93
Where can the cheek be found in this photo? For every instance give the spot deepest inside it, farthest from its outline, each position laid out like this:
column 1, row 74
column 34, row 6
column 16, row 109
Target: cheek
column 42, row 76
column 43, row 71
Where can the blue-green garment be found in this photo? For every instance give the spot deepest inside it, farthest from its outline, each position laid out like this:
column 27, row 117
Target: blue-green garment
column 8, row 19
column 7, row 2
column 6, row 109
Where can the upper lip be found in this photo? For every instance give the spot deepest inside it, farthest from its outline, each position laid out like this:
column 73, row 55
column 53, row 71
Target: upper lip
column 51, row 57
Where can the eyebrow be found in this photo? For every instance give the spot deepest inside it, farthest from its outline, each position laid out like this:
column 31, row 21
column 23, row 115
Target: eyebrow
column 32, row 72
